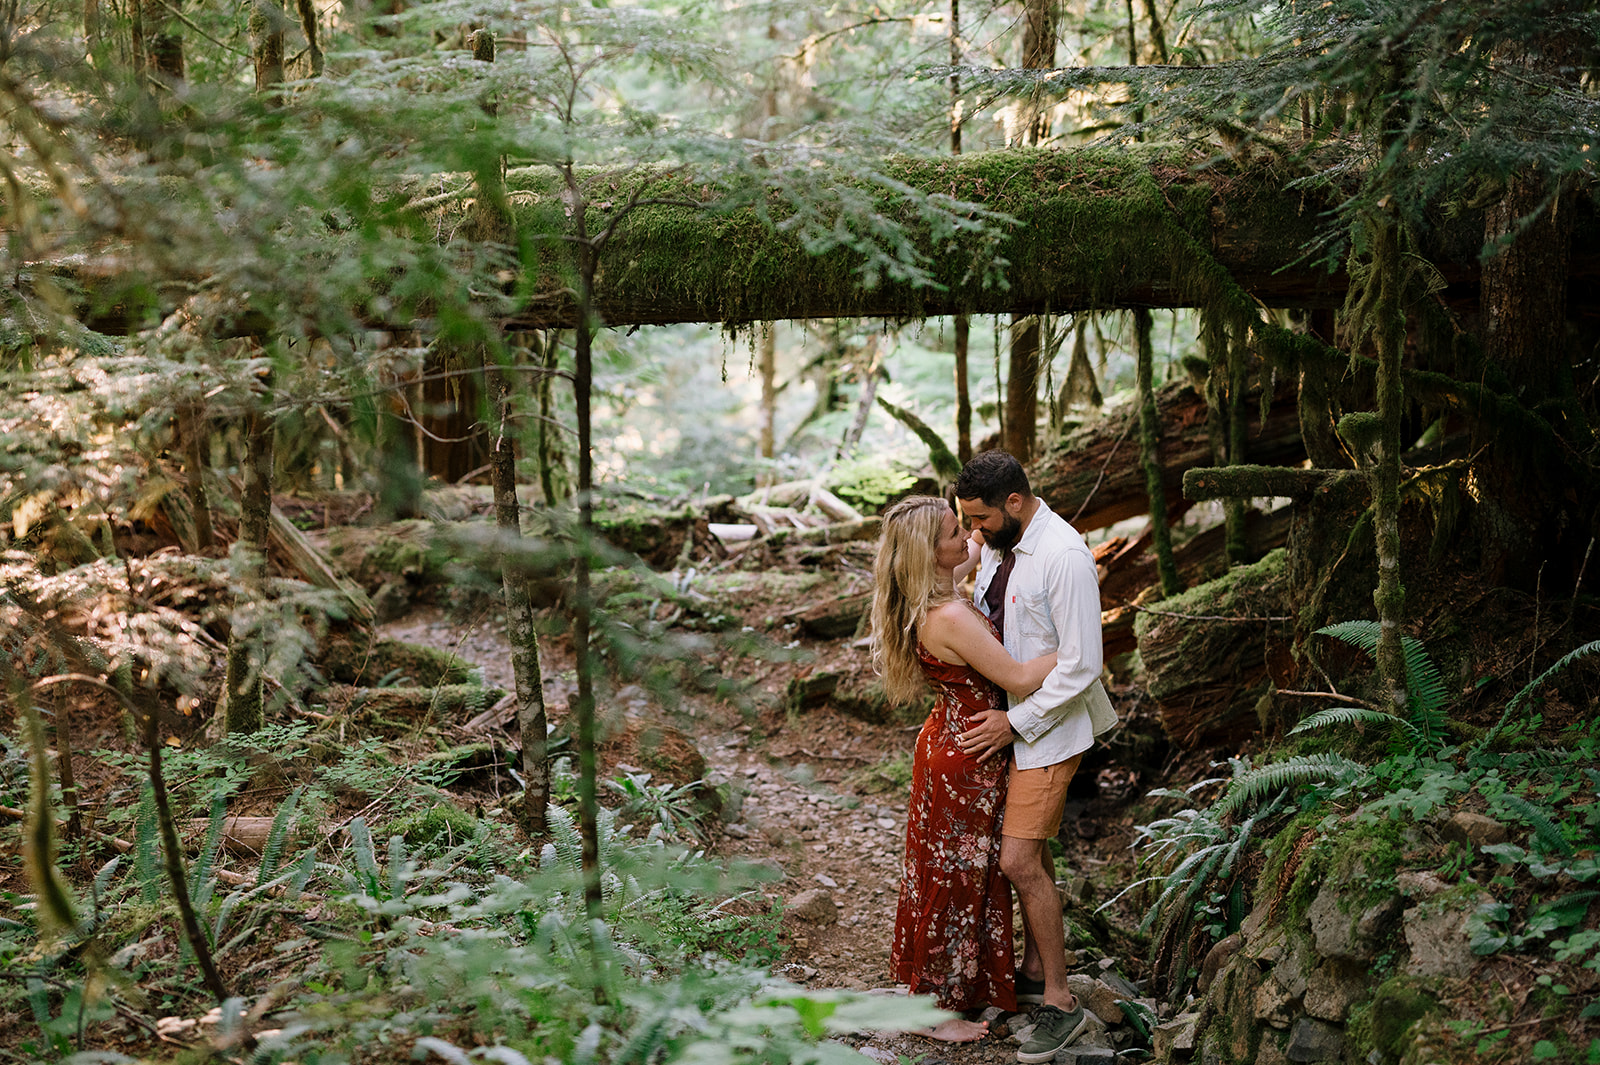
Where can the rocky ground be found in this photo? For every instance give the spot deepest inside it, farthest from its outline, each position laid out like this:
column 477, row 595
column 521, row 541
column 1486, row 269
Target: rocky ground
column 822, row 799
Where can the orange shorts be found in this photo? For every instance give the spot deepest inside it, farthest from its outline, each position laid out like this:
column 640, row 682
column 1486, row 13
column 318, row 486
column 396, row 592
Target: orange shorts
column 1035, row 799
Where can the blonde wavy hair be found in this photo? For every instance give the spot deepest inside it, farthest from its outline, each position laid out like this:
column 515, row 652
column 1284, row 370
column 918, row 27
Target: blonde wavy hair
column 906, row 587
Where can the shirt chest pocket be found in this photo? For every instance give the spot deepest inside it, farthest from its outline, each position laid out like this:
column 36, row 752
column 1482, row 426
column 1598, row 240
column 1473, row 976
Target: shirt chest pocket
column 1033, row 618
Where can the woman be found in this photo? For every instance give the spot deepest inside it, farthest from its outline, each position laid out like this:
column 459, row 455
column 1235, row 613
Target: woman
column 952, row 934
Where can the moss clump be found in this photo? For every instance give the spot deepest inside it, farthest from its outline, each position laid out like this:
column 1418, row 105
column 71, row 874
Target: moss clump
column 442, row 823
column 1383, row 1024
column 1362, row 855
column 354, row 660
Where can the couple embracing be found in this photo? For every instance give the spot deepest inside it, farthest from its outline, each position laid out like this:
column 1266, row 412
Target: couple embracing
column 1016, row 669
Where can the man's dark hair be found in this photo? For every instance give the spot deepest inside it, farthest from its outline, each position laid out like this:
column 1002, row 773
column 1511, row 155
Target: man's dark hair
column 992, row 476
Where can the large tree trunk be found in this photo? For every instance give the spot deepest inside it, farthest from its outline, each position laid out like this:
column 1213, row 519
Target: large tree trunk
column 769, row 387
column 1022, row 388
column 453, row 443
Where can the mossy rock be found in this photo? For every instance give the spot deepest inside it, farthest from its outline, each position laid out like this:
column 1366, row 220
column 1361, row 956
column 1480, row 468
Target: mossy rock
column 1384, row 1023
column 350, row 659
column 443, row 823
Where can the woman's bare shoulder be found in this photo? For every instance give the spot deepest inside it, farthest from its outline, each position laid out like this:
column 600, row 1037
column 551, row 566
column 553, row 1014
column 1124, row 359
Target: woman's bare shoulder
column 952, row 612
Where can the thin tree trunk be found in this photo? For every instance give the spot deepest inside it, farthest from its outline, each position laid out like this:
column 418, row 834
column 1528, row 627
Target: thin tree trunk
column 1021, row 398
column 520, row 631
column 1150, row 455
column 194, row 449
column 172, row 851
column 1389, row 332
column 583, row 607
column 243, row 711
column 91, row 27
column 1316, row 402
column 869, row 392
column 1022, row 388
column 963, row 325
column 769, row 387
column 553, row 476
column 136, row 35
column 1158, row 37
column 308, row 24
column 963, row 394
column 1238, row 435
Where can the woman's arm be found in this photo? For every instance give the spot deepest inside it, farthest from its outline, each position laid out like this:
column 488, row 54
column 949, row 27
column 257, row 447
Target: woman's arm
column 955, row 633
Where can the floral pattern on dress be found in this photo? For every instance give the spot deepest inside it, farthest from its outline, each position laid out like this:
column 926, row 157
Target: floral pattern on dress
column 952, row 929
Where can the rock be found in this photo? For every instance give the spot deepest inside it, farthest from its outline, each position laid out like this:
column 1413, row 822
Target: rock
column 1076, row 889
column 1355, row 936
column 1314, row 1040
column 1334, row 987
column 1217, row 957
column 1176, row 1037
column 1256, row 919
column 814, row 905
column 1020, row 1035
column 1270, row 1050
column 1473, row 830
column 737, row 831
column 1115, row 981
column 1082, row 986
column 826, row 881
column 1103, row 1000
column 1437, row 937
column 1420, row 884
column 991, row 1015
column 1274, row 1004
column 1292, row 971
column 1078, row 1054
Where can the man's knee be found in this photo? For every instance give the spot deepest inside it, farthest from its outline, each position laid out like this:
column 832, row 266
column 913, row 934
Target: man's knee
column 1021, row 860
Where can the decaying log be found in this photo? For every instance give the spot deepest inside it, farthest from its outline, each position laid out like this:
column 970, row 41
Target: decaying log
column 834, row 619
column 1201, row 558
column 1093, row 478
column 1205, row 653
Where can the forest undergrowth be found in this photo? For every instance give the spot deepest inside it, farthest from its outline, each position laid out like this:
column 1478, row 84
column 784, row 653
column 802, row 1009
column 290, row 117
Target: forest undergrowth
column 358, row 879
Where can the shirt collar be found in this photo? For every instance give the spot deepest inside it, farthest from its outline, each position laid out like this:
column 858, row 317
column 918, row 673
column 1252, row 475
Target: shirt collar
column 1035, row 529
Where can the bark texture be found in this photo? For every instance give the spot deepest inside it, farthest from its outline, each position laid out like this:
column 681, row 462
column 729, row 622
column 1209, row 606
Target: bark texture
column 243, row 709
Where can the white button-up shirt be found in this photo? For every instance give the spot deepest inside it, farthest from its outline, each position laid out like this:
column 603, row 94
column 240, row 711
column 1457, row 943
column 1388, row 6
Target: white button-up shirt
column 1052, row 604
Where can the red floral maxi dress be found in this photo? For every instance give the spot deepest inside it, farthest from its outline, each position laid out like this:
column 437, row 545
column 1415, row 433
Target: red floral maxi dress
column 952, row 930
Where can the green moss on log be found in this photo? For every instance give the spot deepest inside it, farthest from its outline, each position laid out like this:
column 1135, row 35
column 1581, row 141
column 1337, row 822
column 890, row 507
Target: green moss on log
column 355, row 660
column 1096, row 224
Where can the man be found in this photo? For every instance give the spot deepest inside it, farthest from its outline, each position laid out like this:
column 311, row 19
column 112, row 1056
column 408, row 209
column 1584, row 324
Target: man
column 1037, row 583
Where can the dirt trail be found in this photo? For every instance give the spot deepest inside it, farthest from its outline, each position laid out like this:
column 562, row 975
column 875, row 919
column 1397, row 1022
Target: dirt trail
column 802, row 803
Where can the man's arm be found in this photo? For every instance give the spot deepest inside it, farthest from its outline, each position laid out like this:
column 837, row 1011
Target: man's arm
column 1075, row 609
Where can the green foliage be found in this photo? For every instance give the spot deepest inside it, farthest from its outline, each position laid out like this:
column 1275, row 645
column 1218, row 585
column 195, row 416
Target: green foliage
column 869, row 482
column 1425, row 725
column 674, row 811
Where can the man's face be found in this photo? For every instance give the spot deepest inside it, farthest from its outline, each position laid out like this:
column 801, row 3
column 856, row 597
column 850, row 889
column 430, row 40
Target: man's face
column 1002, row 525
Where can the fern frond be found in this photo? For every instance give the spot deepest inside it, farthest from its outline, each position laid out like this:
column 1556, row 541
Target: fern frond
column 302, row 874
column 399, row 867
column 147, row 848
column 272, row 853
column 202, row 880
column 1545, row 830
column 1427, row 693
column 1356, row 715
column 366, row 860
column 1364, row 634
column 1305, row 769
column 1516, row 700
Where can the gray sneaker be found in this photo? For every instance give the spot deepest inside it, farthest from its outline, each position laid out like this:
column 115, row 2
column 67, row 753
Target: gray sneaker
column 1053, row 1029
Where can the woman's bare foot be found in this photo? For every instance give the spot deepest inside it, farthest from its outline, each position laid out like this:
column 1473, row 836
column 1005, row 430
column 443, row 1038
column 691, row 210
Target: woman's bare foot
column 955, row 1031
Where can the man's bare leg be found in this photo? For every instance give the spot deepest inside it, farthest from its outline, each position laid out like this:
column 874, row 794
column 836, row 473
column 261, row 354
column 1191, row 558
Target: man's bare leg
column 1025, row 861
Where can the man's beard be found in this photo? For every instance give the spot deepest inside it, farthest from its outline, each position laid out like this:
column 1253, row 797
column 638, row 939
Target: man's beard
column 1010, row 532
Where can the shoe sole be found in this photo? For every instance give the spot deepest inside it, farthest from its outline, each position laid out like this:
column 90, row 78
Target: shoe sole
column 1038, row 1057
